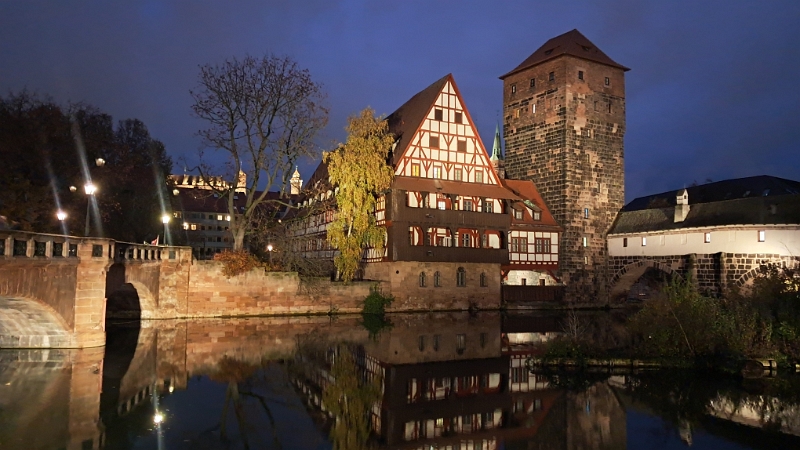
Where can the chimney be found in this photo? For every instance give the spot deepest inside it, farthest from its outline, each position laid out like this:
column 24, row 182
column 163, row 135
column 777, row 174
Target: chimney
column 681, row 205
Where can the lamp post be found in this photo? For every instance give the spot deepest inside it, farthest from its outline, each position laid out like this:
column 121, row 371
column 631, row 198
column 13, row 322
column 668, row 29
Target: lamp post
column 165, row 220
column 62, row 216
column 269, row 251
column 89, row 189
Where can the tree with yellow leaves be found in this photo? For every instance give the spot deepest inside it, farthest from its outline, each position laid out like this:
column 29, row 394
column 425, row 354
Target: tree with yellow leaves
column 359, row 169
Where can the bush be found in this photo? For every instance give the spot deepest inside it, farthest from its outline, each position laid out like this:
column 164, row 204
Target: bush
column 376, row 302
column 237, row 262
column 682, row 323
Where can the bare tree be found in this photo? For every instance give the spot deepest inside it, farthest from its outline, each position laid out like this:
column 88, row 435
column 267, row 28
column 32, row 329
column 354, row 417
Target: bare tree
column 264, row 113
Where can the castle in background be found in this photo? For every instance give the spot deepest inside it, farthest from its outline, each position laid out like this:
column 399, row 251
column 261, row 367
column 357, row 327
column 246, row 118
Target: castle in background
column 564, row 123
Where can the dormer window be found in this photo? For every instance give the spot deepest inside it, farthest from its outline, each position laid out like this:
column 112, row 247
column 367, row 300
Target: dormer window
column 518, row 214
column 537, row 215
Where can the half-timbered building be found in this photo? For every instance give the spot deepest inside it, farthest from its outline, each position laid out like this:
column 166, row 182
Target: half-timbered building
column 449, row 214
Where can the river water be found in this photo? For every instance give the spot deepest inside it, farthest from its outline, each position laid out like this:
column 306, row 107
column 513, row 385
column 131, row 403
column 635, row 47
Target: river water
column 422, row 381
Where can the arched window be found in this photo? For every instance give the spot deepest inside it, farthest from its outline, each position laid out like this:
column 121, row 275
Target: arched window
column 422, row 279
column 437, row 279
column 484, row 282
column 461, row 277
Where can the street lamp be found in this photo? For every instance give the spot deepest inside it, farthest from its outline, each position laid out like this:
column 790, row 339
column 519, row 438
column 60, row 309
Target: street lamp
column 269, row 251
column 61, row 215
column 165, row 220
column 89, row 189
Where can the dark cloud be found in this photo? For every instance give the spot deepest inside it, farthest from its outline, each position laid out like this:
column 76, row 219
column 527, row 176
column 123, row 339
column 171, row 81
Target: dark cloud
column 711, row 94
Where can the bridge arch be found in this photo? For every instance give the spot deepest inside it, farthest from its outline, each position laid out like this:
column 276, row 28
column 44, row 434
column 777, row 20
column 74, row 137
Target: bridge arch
column 745, row 282
column 29, row 323
column 131, row 300
column 626, row 277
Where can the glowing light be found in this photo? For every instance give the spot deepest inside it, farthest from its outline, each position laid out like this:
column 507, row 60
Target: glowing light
column 185, row 226
column 269, row 247
column 89, row 188
column 175, row 192
column 158, row 418
column 165, row 219
column 171, row 388
column 228, row 218
column 100, row 162
column 61, row 215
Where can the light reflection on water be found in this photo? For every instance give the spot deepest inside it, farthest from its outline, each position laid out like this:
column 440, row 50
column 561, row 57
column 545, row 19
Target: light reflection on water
column 441, row 380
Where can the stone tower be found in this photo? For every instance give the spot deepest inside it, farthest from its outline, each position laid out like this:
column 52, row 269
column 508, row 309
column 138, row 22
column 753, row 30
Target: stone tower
column 295, row 183
column 564, row 122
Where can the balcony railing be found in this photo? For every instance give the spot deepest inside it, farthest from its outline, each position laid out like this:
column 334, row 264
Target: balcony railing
column 451, row 218
column 450, row 254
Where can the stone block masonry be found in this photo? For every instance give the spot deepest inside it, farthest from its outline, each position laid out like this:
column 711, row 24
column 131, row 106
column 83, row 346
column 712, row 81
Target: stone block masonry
column 564, row 124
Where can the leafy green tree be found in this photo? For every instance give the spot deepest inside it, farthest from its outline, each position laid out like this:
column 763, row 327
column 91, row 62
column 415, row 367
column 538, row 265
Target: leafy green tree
column 359, row 170
column 264, row 114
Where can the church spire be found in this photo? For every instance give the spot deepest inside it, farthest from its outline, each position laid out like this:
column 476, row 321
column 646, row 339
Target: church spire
column 497, row 154
column 497, row 151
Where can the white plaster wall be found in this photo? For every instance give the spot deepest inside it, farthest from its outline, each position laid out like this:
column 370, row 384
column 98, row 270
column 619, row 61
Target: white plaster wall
column 783, row 241
column 532, row 278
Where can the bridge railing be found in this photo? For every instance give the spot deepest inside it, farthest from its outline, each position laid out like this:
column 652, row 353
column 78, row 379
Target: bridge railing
column 24, row 244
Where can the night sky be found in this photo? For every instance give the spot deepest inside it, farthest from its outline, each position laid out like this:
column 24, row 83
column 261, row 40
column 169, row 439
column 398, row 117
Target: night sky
column 713, row 91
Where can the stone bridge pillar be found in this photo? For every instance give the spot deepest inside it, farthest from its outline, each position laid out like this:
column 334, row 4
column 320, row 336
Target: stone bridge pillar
column 90, row 300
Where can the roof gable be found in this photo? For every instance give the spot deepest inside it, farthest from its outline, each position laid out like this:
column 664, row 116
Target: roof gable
column 438, row 139
column 571, row 43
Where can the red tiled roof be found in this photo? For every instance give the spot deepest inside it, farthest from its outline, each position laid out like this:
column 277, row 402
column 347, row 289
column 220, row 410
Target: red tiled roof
column 527, row 190
column 571, row 43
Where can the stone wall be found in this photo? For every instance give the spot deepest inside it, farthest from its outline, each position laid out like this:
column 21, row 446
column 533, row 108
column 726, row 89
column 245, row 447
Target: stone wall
column 571, row 146
column 401, row 279
column 212, row 294
column 713, row 274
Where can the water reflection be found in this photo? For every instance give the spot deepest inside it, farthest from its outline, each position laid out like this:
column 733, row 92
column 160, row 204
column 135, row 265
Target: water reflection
column 430, row 381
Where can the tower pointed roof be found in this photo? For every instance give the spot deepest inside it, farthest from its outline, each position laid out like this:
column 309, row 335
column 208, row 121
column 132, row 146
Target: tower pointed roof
column 497, row 151
column 571, row 43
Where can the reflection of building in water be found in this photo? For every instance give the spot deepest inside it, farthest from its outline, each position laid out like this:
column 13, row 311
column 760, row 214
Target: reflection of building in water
column 447, row 385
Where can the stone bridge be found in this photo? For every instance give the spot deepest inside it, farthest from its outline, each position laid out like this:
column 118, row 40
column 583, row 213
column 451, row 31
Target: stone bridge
column 713, row 274
column 53, row 288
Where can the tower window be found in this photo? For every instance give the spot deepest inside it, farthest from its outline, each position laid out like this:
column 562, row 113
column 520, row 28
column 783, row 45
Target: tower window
column 513, row 89
column 585, row 213
column 458, row 117
column 595, row 106
column 624, row 242
column 580, row 75
column 433, row 141
column 533, row 108
column 585, row 241
column 552, row 76
column 608, row 81
column 437, row 114
column 609, row 107
column 533, row 83
column 762, row 236
column 644, row 241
